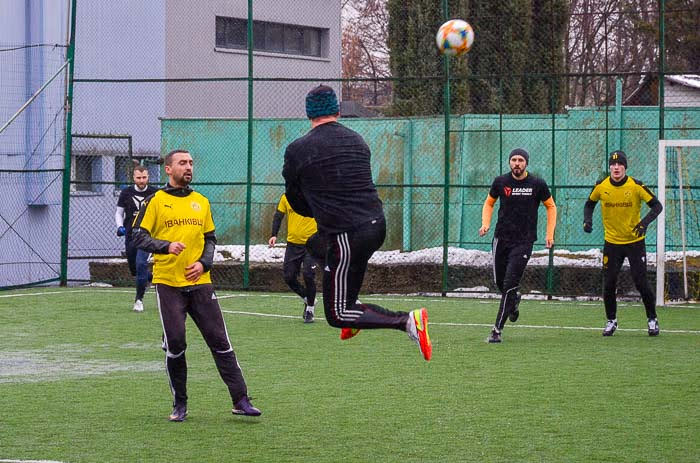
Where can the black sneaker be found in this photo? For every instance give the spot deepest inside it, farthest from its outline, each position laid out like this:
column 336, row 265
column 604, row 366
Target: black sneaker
column 494, row 337
column 179, row 413
column 653, row 327
column 610, row 327
column 244, row 407
column 513, row 316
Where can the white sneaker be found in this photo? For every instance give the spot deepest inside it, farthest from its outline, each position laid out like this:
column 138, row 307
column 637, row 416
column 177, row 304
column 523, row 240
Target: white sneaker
column 610, row 327
column 138, row 305
column 653, row 325
column 309, row 314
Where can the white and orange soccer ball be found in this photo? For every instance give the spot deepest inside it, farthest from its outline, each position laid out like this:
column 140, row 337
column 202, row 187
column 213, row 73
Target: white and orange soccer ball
column 455, row 37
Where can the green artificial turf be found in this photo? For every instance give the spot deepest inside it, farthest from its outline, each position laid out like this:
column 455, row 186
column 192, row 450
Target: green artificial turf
column 82, row 380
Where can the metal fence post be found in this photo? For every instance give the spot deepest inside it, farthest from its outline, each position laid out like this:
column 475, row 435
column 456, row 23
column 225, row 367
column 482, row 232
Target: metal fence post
column 249, row 177
column 65, row 196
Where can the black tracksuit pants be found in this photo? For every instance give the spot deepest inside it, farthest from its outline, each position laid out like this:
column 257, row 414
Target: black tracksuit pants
column 138, row 266
column 509, row 262
column 347, row 255
column 199, row 301
column 295, row 256
column 613, row 257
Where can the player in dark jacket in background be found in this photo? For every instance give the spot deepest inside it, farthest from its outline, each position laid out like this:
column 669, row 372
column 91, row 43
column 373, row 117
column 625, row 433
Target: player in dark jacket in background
column 328, row 177
column 621, row 198
column 128, row 204
column 516, row 231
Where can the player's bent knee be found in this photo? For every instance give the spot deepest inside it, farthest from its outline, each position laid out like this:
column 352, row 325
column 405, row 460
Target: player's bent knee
column 336, row 323
column 174, row 355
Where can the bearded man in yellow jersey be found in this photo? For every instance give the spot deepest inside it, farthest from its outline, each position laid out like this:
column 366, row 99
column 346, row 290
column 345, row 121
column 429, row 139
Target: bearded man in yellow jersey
column 299, row 230
column 176, row 225
column 621, row 197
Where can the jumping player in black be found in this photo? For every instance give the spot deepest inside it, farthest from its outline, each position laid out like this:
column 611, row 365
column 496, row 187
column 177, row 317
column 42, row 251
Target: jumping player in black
column 621, row 198
column 516, row 231
column 128, row 204
column 328, row 177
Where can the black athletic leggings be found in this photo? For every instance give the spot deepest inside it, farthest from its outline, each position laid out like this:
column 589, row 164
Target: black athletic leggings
column 347, row 255
column 613, row 257
column 138, row 266
column 200, row 303
column 294, row 256
column 509, row 262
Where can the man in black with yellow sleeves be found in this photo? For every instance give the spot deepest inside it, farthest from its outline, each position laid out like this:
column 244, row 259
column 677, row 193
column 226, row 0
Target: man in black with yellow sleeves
column 520, row 195
column 621, row 198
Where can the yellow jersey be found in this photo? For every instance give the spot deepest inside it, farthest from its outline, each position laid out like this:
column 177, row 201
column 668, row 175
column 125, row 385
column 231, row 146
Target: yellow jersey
column 177, row 218
column 621, row 206
column 299, row 228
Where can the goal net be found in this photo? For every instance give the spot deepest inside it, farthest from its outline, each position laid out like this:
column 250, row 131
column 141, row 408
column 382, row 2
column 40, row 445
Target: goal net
column 678, row 227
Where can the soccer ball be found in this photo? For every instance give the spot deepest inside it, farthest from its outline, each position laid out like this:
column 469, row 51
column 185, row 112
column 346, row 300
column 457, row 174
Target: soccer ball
column 455, row 37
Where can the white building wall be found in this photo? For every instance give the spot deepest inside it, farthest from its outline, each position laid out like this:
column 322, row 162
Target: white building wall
column 120, row 40
column 195, row 24
column 681, row 95
column 129, row 39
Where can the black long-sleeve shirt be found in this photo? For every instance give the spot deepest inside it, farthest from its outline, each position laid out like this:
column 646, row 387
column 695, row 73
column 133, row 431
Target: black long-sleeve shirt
column 328, row 176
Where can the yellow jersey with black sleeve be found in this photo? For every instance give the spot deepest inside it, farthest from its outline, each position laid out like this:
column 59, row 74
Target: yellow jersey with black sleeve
column 621, row 205
column 177, row 218
column 299, row 228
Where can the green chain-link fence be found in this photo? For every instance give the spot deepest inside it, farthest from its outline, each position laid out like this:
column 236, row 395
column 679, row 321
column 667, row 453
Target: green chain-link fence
column 568, row 81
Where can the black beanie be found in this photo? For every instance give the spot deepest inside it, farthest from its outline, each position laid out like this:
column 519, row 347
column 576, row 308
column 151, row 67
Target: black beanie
column 618, row 157
column 520, row 152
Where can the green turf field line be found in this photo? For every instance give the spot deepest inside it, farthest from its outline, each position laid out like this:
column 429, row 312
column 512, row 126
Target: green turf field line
column 482, row 325
column 368, row 298
column 38, row 294
column 274, row 315
column 433, row 299
column 30, row 461
column 558, row 327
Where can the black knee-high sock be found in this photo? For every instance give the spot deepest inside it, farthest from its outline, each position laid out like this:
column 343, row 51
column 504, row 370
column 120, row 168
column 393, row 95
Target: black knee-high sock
column 177, row 374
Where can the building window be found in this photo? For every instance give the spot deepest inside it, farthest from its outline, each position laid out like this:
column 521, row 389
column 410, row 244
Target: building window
column 272, row 37
column 87, row 173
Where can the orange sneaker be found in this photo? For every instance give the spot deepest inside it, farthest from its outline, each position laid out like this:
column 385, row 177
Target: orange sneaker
column 347, row 333
column 417, row 330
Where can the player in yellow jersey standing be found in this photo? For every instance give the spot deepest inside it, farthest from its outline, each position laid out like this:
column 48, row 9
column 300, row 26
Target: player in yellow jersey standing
column 176, row 225
column 299, row 230
column 621, row 198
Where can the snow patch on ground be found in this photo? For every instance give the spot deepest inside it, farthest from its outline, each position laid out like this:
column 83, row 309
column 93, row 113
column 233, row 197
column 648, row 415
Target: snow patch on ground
column 36, row 366
column 261, row 253
column 455, row 256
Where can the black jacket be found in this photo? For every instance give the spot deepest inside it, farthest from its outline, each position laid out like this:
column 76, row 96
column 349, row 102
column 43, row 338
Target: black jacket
column 328, row 177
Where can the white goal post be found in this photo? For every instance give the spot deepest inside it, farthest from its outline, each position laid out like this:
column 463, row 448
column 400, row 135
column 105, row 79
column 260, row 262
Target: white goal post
column 661, row 221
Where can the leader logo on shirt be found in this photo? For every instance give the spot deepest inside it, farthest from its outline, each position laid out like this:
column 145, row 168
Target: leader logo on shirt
column 507, row 190
column 520, row 191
